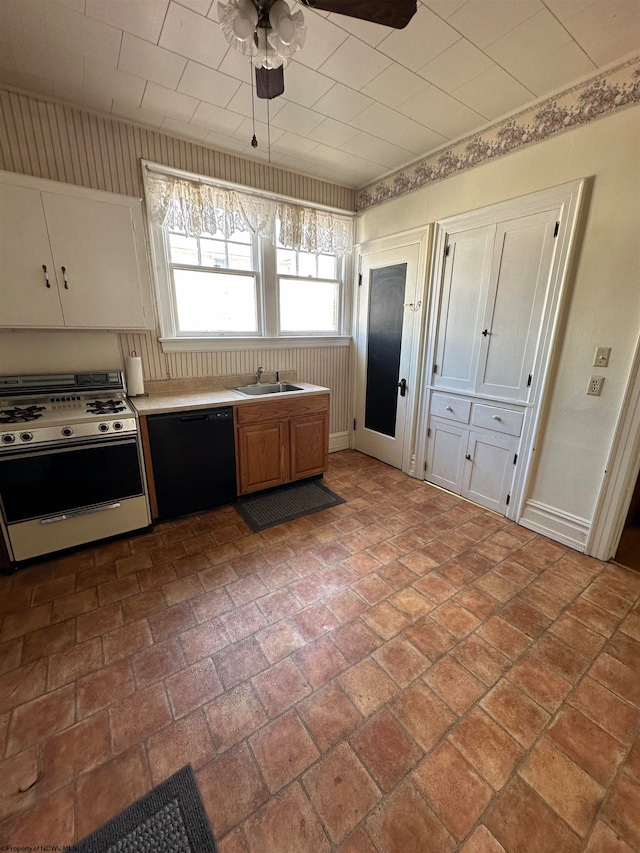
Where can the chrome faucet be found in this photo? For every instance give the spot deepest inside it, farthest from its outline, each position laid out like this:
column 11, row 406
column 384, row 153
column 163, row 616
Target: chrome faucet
column 259, row 373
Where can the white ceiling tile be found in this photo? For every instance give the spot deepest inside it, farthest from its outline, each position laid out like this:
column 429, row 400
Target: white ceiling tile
column 100, row 79
column 342, row 103
column 59, row 67
column 236, row 65
column 145, row 117
column 7, row 56
column 202, row 7
column 207, row 85
column 528, row 43
column 322, row 38
column 456, row 65
column 183, row 128
column 153, row 63
column 27, row 82
column 76, row 5
column 493, row 93
column 191, row 35
column 394, row 86
column 294, row 144
column 377, row 150
column 142, row 18
column 605, row 30
column 224, row 142
column 263, row 132
column 168, row 103
column 326, row 154
column 333, row 132
column 560, row 68
column 400, row 130
column 304, row 86
column 79, row 96
column 484, row 21
column 444, row 8
column 296, row 119
column 241, row 103
column 359, row 168
column 421, row 40
column 442, row 113
column 69, row 31
column 23, row 27
column 354, row 63
column 216, row 119
column 365, row 30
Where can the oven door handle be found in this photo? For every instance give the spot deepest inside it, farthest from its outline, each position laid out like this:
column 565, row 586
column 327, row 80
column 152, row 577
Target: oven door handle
column 77, row 514
column 67, row 447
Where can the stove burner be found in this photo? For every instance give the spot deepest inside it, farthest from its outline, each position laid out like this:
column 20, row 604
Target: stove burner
column 105, row 407
column 20, row 415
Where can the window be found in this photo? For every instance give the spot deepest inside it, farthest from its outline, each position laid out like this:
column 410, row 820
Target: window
column 308, row 292
column 214, row 285
column 221, row 274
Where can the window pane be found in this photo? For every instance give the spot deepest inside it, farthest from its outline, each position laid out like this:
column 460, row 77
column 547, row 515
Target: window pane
column 213, row 253
column 239, row 256
column 307, row 264
column 286, row 262
column 215, row 302
column 241, row 237
column 183, row 250
column 327, row 266
column 308, row 306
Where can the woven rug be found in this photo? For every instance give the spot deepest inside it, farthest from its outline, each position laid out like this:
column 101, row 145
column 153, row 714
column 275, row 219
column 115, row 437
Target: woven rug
column 285, row 504
column 169, row 819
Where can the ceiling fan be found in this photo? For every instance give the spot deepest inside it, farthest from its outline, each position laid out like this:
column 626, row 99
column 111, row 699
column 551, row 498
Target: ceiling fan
column 269, row 34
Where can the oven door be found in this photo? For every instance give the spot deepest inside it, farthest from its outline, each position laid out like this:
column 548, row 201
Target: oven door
column 68, row 478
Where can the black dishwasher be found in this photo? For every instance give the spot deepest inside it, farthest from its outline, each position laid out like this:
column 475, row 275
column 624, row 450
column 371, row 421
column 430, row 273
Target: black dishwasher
column 194, row 460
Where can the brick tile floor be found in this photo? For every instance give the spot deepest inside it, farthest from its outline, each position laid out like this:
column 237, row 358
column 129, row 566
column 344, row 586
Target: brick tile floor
column 404, row 672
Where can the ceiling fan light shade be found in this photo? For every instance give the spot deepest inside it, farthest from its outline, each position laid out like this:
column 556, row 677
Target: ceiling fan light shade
column 267, row 55
column 285, row 48
column 281, row 22
column 231, row 18
column 245, row 21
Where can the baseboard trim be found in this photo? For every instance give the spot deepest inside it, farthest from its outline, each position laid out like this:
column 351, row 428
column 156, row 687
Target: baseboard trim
column 552, row 522
column 338, row 441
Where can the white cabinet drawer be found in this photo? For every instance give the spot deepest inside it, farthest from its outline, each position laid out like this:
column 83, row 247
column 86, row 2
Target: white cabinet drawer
column 452, row 408
column 498, row 419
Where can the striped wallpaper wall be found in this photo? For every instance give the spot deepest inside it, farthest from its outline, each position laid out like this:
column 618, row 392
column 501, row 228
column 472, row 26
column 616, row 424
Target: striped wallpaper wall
column 63, row 143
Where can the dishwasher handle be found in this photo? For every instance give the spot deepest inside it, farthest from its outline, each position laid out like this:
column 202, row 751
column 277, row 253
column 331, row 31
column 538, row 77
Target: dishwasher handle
column 193, row 418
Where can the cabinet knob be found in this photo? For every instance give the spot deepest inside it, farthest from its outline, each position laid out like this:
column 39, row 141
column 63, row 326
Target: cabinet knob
column 468, row 456
column 449, row 409
column 485, row 333
column 497, row 418
column 46, row 277
column 64, row 278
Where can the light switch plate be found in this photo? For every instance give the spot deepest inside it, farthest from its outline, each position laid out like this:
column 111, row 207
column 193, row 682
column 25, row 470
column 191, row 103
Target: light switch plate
column 594, row 387
column 601, row 358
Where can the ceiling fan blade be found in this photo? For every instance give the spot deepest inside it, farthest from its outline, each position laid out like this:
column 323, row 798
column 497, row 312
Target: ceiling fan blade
column 396, row 13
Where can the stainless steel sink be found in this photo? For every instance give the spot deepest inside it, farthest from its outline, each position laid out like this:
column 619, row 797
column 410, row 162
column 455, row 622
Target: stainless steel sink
column 265, row 388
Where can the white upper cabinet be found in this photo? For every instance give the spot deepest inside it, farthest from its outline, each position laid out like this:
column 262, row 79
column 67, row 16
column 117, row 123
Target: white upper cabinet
column 71, row 257
column 462, row 307
column 520, row 268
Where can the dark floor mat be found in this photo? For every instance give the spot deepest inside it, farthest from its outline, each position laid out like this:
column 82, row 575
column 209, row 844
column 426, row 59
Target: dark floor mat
column 285, row 504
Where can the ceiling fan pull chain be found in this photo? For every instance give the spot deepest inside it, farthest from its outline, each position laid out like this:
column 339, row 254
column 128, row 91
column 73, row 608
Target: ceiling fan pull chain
column 254, row 141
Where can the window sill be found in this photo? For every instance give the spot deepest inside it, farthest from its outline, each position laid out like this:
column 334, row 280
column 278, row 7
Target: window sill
column 218, row 344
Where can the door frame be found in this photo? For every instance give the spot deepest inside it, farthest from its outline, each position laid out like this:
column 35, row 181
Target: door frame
column 621, row 472
column 399, row 240
column 568, row 197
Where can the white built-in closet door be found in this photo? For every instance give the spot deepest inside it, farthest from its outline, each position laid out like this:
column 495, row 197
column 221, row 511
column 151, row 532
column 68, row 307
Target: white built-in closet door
column 520, row 270
column 462, row 308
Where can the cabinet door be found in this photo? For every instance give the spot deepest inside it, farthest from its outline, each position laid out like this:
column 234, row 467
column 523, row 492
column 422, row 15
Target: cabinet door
column 462, row 307
column 263, row 458
column 309, row 445
column 95, row 242
column 520, row 269
column 488, row 474
column 445, row 454
column 25, row 299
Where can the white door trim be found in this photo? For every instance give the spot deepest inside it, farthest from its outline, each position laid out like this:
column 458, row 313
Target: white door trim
column 412, row 237
column 621, row 473
column 568, row 198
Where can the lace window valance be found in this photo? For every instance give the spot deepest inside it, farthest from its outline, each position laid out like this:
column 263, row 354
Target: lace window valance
column 203, row 208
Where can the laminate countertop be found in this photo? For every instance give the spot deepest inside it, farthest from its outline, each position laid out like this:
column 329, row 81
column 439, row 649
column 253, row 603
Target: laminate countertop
column 158, row 402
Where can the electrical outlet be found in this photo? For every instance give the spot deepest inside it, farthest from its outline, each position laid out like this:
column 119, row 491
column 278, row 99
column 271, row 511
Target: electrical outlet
column 594, row 388
column 601, row 358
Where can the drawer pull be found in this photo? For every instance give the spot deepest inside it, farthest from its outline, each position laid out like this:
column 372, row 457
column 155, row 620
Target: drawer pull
column 449, row 409
column 468, row 456
column 497, row 418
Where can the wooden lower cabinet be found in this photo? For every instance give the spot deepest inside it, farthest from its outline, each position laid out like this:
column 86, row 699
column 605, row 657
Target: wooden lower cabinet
column 280, row 441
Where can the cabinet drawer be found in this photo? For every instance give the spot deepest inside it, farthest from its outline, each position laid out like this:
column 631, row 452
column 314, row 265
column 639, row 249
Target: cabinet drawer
column 452, row 408
column 498, row 419
column 273, row 410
